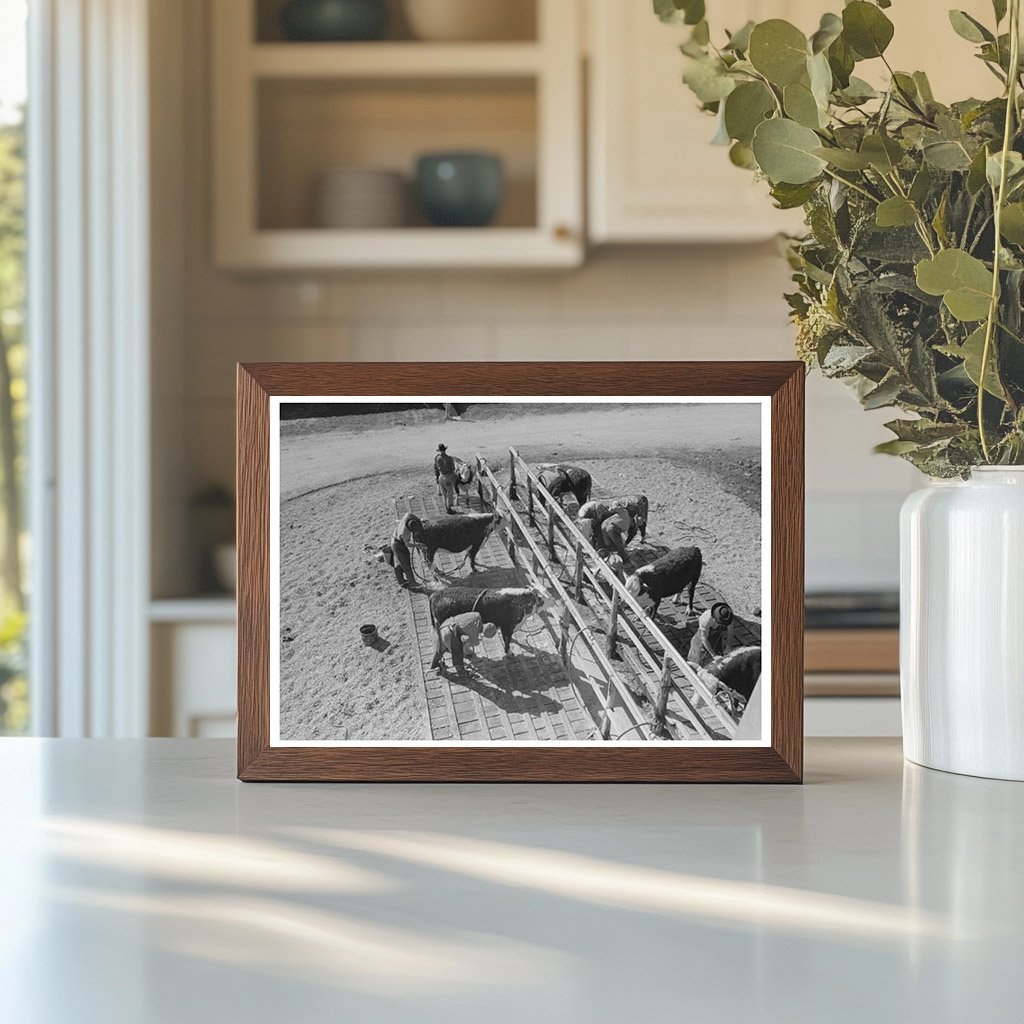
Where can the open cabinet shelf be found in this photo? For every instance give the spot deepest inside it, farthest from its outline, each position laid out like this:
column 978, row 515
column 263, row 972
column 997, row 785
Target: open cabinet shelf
column 286, row 114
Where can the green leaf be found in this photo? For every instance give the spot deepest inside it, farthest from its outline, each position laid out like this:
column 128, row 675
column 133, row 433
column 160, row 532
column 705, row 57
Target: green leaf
column 921, row 185
column 778, row 50
column 785, row 152
column 884, row 395
column 844, row 159
column 1014, row 169
column 969, row 28
column 924, row 87
column 896, row 447
column 745, row 108
column 947, row 156
column 708, row 80
column 939, row 220
column 820, row 76
column 741, row 155
column 971, row 352
column 999, row 7
column 841, row 60
column 789, row 197
column 866, row 29
column 739, row 41
column 858, row 91
column 963, row 281
column 1012, row 225
column 800, row 105
column 976, row 173
column 883, row 153
column 896, row 212
column 923, row 431
column 676, row 12
column 829, row 30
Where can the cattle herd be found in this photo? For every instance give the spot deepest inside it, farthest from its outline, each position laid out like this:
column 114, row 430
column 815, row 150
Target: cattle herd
column 608, row 524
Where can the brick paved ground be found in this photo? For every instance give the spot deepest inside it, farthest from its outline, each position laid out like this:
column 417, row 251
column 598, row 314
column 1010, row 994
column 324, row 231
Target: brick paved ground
column 526, row 697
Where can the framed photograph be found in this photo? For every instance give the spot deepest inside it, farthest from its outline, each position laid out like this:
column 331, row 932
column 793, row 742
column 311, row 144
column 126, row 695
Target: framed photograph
column 586, row 572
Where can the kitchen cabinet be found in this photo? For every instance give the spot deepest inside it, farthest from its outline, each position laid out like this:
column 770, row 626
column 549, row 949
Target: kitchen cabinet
column 287, row 113
column 192, row 647
column 653, row 175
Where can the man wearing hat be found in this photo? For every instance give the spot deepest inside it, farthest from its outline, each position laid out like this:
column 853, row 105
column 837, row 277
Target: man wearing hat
column 397, row 553
column 714, row 635
column 447, row 478
column 458, row 636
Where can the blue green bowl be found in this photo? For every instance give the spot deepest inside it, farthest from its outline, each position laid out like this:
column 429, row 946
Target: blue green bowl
column 334, row 21
column 460, row 190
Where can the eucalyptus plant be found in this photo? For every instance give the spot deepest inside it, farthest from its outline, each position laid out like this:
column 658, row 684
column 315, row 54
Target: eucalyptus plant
column 910, row 278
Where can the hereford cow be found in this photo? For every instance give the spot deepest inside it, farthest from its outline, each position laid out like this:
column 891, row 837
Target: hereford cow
column 506, row 607
column 455, row 533
column 669, row 576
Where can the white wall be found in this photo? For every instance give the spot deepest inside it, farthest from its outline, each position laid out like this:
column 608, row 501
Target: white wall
column 655, row 303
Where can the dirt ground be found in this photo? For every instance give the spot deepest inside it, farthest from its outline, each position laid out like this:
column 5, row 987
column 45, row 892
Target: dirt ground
column 699, row 466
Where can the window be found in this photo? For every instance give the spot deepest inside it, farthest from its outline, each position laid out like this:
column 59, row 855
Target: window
column 14, row 548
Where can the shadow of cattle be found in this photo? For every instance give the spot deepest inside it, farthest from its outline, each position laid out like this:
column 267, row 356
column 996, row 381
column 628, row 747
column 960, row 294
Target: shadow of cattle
column 507, row 682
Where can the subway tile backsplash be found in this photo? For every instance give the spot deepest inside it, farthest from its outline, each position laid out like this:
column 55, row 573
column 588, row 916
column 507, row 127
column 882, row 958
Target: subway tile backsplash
column 717, row 302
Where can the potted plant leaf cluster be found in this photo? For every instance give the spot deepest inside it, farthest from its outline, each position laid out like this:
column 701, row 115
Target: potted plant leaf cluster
column 908, row 288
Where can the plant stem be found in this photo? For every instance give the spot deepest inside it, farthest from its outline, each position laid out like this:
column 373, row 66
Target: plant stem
column 922, row 225
column 856, row 188
column 993, row 309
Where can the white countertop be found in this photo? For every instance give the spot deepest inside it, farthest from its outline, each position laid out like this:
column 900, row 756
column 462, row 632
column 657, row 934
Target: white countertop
column 143, row 885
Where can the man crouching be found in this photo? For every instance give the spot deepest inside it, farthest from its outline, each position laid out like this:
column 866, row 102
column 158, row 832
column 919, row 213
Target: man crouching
column 397, row 554
column 459, row 636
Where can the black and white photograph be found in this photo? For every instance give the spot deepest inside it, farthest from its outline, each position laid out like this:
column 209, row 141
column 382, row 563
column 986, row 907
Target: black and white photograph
column 521, row 571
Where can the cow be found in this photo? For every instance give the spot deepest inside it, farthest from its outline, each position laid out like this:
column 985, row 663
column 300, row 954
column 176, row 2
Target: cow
column 732, row 677
column 465, row 477
column 455, row 533
column 562, row 480
column 668, row 576
column 506, row 607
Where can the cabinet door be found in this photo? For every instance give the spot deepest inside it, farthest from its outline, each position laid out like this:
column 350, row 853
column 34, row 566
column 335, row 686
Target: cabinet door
column 653, row 174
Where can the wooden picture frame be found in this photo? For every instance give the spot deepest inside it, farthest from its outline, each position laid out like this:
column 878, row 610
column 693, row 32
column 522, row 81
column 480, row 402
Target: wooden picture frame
column 778, row 759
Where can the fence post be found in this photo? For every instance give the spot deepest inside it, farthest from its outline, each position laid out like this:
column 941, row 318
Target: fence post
column 613, row 627
column 579, row 571
column 551, row 536
column 529, row 500
column 512, row 475
column 512, row 544
column 661, row 708
column 563, row 640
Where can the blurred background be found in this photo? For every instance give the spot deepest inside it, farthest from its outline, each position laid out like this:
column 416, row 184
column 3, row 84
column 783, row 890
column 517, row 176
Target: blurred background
column 245, row 180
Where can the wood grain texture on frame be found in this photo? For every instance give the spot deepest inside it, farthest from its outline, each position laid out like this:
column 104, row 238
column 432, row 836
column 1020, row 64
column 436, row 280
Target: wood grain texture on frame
column 783, row 382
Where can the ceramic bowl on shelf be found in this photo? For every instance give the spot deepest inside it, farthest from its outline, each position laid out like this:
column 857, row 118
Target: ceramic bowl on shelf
column 361, row 198
column 470, row 20
column 460, row 189
column 332, row 21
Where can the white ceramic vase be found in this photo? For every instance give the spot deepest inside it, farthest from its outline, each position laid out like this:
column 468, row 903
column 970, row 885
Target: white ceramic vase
column 962, row 624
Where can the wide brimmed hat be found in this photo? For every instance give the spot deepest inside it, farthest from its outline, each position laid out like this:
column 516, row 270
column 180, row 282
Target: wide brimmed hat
column 442, row 448
column 722, row 613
